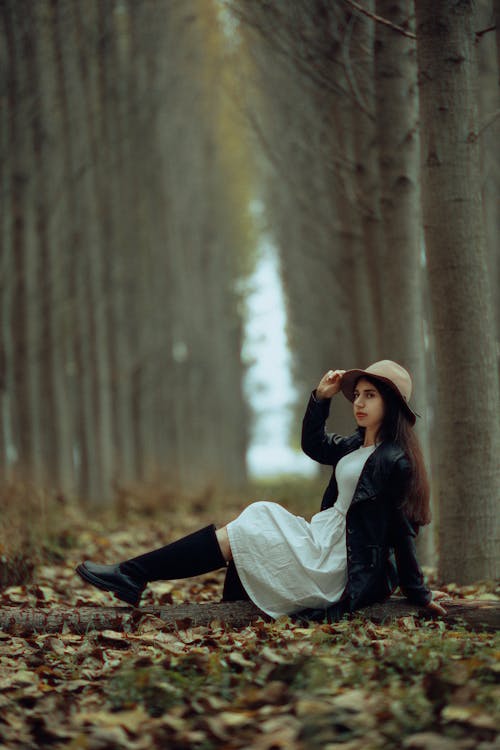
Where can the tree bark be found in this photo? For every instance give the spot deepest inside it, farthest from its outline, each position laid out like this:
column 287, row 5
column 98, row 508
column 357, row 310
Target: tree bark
column 467, row 431
column 488, row 53
column 496, row 5
column 396, row 119
column 477, row 615
column 19, row 200
column 58, row 238
column 94, row 188
column 402, row 276
column 359, row 55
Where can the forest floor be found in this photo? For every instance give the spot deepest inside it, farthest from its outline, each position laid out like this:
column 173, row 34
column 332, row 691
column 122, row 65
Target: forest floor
column 418, row 684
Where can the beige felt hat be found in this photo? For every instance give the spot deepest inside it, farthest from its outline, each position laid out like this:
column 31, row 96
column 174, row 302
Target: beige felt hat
column 388, row 372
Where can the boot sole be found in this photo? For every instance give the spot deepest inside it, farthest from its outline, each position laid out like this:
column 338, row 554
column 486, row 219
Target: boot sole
column 125, row 596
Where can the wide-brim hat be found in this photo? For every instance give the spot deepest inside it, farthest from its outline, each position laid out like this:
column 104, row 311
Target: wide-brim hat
column 389, row 372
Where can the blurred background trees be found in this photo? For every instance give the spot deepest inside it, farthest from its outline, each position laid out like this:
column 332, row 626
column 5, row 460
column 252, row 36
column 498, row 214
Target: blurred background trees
column 135, row 138
column 123, row 205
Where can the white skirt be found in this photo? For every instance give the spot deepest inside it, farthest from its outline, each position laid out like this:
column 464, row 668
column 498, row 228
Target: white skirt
column 287, row 564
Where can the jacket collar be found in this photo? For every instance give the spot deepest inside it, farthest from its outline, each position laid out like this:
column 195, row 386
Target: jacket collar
column 376, row 470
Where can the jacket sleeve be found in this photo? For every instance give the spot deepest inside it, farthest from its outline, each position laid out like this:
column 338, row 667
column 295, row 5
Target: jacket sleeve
column 316, row 442
column 403, row 534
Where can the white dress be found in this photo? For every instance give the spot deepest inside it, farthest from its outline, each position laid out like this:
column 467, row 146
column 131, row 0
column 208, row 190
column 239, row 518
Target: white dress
column 287, row 564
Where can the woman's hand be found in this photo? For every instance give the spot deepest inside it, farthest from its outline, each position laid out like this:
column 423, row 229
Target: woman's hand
column 434, row 605
column 329, row 384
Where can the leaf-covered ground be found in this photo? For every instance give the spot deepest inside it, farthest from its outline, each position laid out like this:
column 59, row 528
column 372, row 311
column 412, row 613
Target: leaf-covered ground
column 413, row 684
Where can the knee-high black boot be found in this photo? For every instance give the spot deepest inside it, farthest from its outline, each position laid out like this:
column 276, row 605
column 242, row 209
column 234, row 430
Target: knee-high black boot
column 192, row 555
column 233, row 590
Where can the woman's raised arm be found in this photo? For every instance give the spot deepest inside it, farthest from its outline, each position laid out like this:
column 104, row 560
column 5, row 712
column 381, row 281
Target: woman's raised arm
column 316, row 442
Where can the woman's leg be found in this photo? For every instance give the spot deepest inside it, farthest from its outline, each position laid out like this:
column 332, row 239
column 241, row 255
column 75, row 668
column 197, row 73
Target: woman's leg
column 233, row 590
column 192, row 555
column 225, row 547
column 201, row 552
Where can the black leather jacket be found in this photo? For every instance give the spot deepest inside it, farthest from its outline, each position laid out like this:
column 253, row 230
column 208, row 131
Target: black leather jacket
column 380, row 539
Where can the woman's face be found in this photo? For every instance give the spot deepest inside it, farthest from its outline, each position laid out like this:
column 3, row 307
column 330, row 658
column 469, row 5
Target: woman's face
column 368, row 405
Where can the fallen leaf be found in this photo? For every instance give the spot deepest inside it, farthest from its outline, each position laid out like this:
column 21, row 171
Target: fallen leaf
column 132, row 720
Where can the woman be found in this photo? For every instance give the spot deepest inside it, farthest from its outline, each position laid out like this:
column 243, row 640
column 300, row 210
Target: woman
column 352, row 553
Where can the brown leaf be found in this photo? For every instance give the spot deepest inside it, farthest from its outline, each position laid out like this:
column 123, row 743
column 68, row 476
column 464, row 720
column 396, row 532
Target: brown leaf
column 114, row 639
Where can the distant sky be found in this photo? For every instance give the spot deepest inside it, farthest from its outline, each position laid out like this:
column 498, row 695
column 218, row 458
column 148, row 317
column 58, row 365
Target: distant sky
column 268, row 386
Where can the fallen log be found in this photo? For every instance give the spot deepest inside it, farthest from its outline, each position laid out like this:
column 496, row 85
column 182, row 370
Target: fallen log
column 474, row 614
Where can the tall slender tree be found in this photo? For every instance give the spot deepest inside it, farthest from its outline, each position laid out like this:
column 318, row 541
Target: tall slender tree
column 402, row 280
column 467, row 433
column 488, row 51
column 17, row 255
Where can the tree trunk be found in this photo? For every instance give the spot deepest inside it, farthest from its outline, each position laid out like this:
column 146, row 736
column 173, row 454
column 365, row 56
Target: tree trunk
column 477, row 615
column 467, row 431
column 40, row 270
column 496, row 4
column 360, row 55
column 402, row 274
column 55, row 235
column 396, row 117
column 488, row 52
column 94, row 188
column 19, row 205
column 352, row 279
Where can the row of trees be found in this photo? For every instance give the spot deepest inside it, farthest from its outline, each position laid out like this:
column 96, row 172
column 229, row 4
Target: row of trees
column 378, row 122
column 133, row 139
column 120, row 331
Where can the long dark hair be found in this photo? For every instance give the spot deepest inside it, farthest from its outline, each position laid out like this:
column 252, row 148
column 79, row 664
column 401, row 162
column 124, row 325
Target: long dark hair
column 397, row 428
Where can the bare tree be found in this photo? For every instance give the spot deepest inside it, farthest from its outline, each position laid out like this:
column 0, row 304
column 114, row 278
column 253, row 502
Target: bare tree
column 401, row 275
column 467, row 430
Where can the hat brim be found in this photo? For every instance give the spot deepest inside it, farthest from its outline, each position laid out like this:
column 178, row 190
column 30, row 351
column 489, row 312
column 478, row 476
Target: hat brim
column 351, row 377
